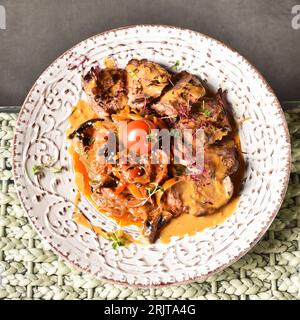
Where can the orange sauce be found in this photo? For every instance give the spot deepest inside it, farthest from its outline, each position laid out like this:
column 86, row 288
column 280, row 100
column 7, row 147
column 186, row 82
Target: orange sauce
column 82, row 220
column 187, row 224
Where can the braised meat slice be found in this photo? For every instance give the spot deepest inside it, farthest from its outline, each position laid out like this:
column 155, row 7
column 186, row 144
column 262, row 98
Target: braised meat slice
column 211, row 115
column 205, row 192
column 221, row 159
column 105, row 89
column 145, row 81
column 172, row 202
column 179, row 99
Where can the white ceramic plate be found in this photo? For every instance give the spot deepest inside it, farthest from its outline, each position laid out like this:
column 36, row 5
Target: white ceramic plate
column 48, row 200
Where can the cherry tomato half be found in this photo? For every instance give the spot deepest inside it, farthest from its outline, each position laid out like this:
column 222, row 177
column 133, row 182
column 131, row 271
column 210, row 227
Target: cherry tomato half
column 136, row 138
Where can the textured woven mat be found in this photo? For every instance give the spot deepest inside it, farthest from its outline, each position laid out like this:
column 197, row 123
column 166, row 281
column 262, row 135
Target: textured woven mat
column 271, row 270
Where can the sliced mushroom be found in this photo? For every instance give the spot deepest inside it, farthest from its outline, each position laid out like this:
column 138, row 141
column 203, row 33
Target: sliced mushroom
column 179, row 99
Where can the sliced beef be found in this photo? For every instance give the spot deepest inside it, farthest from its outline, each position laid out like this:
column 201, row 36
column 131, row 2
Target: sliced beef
column 145, row 81
column 220, row 161
column 229, row 155
column 210, row 114
column 179, row 99
column 211, row 189
column 202, row 196
column 172, row 202
column 106, row 90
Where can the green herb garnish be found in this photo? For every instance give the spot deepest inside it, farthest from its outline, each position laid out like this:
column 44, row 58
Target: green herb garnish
column 56, row 169
column 153, row 190
column 39, row 168
column 94, row 182
column 207, row 112
column 116, row 240
column 176, row 65
column 133, row 72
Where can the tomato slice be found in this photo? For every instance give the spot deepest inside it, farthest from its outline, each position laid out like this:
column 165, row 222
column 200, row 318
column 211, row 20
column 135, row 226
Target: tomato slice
column 136, row 137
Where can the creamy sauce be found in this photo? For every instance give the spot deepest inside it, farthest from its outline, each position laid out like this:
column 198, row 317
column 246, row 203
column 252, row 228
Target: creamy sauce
column 193, row 199
column 185, row 224
column 82, row 220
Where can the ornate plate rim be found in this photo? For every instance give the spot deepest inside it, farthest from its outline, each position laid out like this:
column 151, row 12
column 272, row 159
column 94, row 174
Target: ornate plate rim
column 268, row 223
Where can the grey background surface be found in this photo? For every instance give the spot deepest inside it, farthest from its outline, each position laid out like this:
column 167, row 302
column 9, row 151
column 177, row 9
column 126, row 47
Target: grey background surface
column 38, row 31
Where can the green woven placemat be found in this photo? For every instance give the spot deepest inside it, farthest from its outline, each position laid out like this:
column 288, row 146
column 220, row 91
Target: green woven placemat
column 29, row 270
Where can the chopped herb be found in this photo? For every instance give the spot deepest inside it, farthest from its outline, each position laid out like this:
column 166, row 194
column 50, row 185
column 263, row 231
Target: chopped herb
column 155, row 189
column 151, row 191
column 39, row 168
column 94, row 182
column 119, row 170
column 207, row 112
column 133, row 72
column 176, row 65
column 56, row 169
column 116, row 240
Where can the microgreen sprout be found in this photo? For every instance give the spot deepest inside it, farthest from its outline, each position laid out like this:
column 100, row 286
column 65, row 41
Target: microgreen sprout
column 116, row 240
column 176, row 65
column 39, row 168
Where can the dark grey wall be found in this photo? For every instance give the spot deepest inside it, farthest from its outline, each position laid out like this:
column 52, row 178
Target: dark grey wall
column 40, row 30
